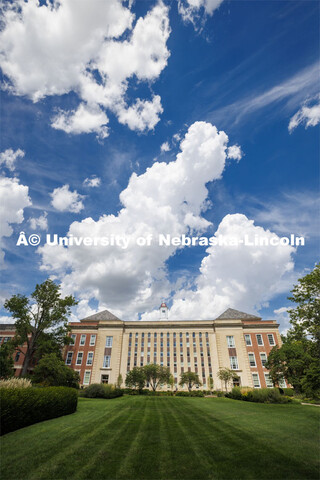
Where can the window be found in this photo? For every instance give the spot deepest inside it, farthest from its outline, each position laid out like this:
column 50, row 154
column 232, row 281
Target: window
column 86, row 378
column 234, row 363
column 89, row 358
column 106, row 361
column 230, row 341
column 247, row 338
column 282, row 383
column 83, row 339
column 130, row 335
column 109, row 341
column 263, row 357
column 252, row 360
column 73, row 339
column 69, row 358
column 79, row 358
column 92, row 340
column 259, row 339
column 6, row 339
column 268, row 380
column 271, row 339
column 256, row 381
column 16, row 359
column 104, row 378
column 137, row 335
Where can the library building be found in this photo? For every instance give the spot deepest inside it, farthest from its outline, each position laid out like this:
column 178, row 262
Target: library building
column 104, row 347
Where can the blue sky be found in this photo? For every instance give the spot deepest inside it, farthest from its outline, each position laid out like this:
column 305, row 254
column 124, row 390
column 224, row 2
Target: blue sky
column 246, row 67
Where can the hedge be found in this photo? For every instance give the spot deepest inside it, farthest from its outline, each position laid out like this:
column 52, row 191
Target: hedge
column 193, row 393
column 260, row 395
column 99, row 390
column 21, row 407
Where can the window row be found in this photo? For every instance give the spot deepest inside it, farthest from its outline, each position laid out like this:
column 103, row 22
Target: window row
column 259, row 338
column 252, row 359
column 83, row 339
column 79, row 358
column 174, row 334
column 269, row 383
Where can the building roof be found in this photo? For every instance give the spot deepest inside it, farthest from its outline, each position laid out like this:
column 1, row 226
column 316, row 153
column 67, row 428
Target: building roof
column 232, row 314
column 101, row 316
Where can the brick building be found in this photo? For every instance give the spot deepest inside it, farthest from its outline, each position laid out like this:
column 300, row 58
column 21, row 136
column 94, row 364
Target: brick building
column 105, row 347
column 7, row 332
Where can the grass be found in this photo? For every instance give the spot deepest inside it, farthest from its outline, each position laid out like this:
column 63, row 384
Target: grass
column 167, row 438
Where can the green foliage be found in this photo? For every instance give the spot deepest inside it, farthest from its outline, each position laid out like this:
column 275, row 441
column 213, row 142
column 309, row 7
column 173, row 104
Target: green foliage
column 119, row 381
column 210, row 383
column 21, row 407
column 156, row 375
column 51, row 371
column 6, row 360
column 100, row 390
column 190, row 379
column 136, row 378
column 193, row 393
column 289, row 392
column 226, row 375
column 259, row 395
column 41, row 321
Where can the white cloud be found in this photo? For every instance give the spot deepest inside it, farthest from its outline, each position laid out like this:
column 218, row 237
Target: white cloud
column 92, row 182
column 167, row 198
column 196, row 11
column 59, row 47
column 283, row 318
column 308, row 116
column 165, row 147
column 6, row 319
column 14, row 197
column 9, row 157
column 83, row 120
column 241, row 277
column 234, row 152
column 40, row 223
column 65, row 200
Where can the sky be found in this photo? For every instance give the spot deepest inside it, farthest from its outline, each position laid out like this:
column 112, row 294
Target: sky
column 138, row 119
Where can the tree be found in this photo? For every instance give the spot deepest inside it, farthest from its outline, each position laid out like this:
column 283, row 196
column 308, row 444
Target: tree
column 52, row 371
column 190, row 379
column 39, row 319
column 171, row 382
column 226, row 375
column 298, row 359
column 156, row 375
column 210, row 383
column 119, row 381
column 6, row 360
column 136, row 378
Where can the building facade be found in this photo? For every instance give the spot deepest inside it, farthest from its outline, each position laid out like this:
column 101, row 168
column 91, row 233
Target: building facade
column 105, row 347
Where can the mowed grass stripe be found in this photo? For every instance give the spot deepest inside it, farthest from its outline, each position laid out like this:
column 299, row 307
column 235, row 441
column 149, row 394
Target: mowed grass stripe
column 167, row 438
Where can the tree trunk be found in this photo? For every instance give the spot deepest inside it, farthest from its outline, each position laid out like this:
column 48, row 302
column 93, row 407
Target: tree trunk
column 28, row 357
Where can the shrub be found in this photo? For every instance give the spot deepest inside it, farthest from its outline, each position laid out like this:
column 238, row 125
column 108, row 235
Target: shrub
column 21, row 407
column 99, row 390
column 15, row 382
column 289, row 392
column 193, row 393
column 260, row 395
column 51, row 371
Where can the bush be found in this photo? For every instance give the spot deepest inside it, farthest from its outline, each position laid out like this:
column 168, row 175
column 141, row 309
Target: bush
column 15, row 382
column 51, row 371
column 100, row 390
column 259, row 395
column 21, row 407
column 289, row 392
column 193, row 393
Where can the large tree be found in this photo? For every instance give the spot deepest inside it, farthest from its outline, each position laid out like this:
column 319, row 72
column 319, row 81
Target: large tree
column 298, row 359
column 136, row 378
column 51, row 371
column 40, row 320
column 190, row 379
column 157, row 375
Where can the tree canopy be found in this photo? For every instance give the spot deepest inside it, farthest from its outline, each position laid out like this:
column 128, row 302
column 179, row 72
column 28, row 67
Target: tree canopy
column 226, row 375
column 190, row 379
column 41, row 321
column 51, row 371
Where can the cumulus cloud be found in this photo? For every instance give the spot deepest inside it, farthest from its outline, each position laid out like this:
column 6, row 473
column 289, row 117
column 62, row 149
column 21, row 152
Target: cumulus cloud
column 66, row 45
column 309, row 116
column 92, row 182
column 8, row 158
column 240, row 276
column 282, row 316
column 167, row 198
column 40, row 223
column 83, row 120
column 234, row 152
column 14, row 197
column 196, row 11
column 165, row 147
column 65, row 200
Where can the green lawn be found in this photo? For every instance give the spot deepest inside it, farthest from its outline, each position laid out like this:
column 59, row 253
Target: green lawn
column 167, row 438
